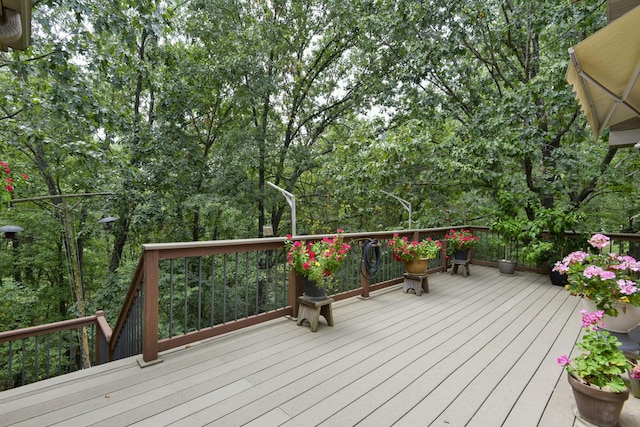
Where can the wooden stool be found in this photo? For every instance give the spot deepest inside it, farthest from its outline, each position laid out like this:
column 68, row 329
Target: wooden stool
column 463, row 258
column 417, row 282
column 312, row 309
column 465, row 267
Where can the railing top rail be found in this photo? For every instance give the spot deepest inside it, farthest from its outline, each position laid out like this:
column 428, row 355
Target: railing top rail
column 212, row 243
column 63, row 325
column 624, row 236
column 277, row 241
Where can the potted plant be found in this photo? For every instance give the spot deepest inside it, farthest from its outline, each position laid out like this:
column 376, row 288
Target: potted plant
column 605, row 282
column 316, row 261
column 595, row 375
column 459, row 243
column 509, row 230
column 634, row 374
column 415, row 254
column 546, row 238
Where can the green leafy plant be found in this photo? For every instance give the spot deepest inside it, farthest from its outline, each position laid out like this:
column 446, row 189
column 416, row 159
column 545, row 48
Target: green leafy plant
column 405, row 250
column 601, row 363
column 546, row 235
column 603, row 278
column 509, row 230
column 317, row 260
column 459, row 240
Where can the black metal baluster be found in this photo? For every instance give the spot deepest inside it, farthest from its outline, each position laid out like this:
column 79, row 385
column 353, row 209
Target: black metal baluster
column 171, row 280
column 199, row 292
column 186, row 294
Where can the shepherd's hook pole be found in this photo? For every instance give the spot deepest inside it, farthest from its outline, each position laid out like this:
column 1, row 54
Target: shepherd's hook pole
column 406, row 204
column 291, row 199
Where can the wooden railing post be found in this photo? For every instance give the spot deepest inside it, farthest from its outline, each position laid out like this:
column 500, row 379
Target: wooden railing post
column 150, row 317
column 445, row 260
column 296, row 289
column 103, row 336
column 365, row 279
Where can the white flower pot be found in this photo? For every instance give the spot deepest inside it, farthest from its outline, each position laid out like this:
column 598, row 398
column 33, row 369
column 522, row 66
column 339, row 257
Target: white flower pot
column 628, row 316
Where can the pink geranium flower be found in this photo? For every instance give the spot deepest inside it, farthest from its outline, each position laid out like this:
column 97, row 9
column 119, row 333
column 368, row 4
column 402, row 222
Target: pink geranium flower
column 605, row 278
column 599, row 241
column 564, row 360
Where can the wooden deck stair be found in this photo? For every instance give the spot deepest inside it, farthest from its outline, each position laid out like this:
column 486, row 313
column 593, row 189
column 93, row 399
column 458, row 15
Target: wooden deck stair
column 476, row 351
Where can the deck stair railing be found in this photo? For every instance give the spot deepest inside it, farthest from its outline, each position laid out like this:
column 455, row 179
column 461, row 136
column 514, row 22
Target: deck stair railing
column 31, row 354
column 182, row 293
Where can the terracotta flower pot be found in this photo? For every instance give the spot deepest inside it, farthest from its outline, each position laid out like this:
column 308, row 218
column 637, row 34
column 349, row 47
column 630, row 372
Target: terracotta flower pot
column 597, row 406
column 417, row 266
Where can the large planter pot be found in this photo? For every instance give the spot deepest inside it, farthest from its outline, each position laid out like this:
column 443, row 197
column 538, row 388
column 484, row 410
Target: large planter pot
column 417, row 266
column 628, row 316
column 507, row 267
column 597, row 406
column 313, row 290
column 462, row 255
column 558, row 279
column 634, row 386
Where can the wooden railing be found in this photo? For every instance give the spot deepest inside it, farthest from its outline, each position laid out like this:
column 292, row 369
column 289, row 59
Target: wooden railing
column 186, row 292
column 181, row 293
column 45, row 351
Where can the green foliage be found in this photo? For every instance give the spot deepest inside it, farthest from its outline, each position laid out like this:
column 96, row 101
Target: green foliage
column 510, row 230
column 317, row 260
column 405, row 250
column 18, row 306
column 601, row 363
column 546, row 235
column 607, row 363
column 459, row 240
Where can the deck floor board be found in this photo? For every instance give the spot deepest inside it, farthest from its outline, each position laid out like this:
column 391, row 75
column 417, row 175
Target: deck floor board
column 475, row 351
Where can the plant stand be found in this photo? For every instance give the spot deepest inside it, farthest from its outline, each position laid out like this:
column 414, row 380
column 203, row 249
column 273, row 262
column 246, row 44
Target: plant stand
column 630, row 341
column 417, row 282
column 461, row 258
column 312, row 309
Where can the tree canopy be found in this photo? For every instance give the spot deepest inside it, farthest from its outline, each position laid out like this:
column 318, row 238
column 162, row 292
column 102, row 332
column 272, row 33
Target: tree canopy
column 174, row 116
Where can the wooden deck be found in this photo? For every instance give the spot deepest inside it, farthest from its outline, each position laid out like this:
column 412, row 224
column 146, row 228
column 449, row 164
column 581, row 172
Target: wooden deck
column 476, row 351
